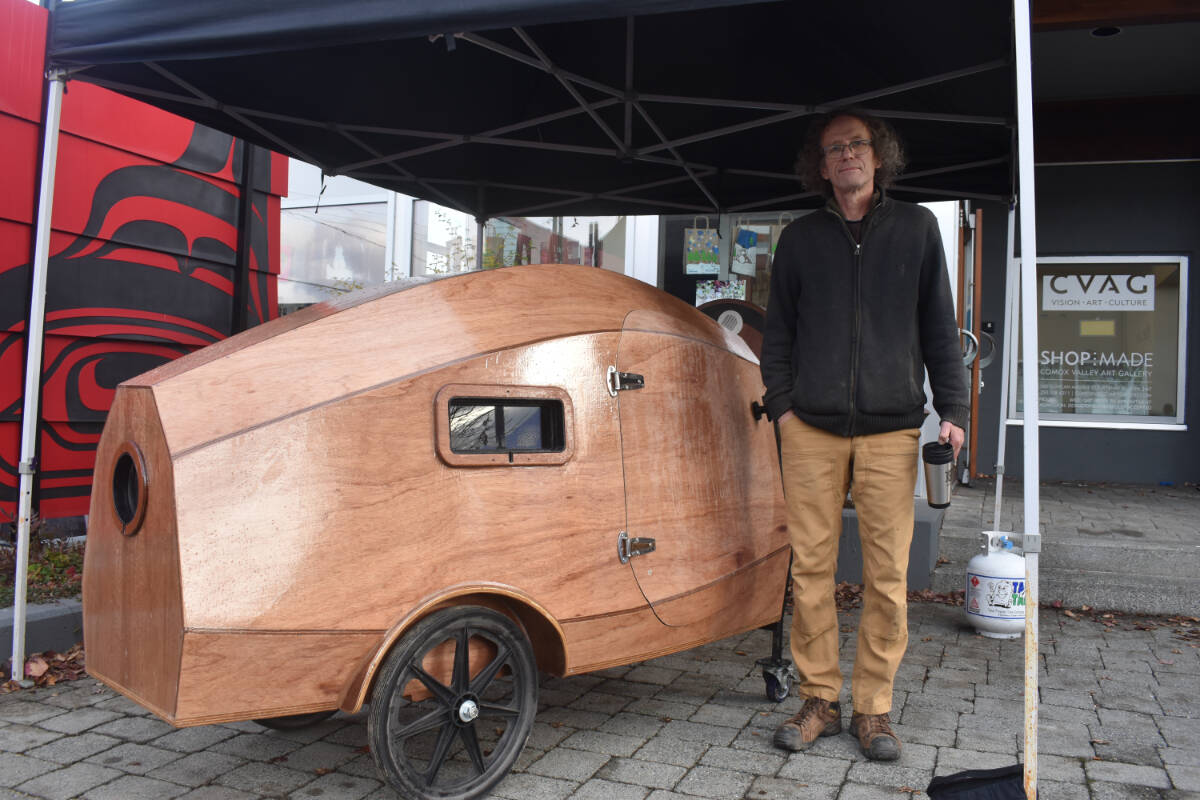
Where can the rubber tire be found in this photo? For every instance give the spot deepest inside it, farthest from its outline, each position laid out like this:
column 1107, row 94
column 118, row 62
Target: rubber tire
column 295, row 721
column 775, row 691
column 387, row 701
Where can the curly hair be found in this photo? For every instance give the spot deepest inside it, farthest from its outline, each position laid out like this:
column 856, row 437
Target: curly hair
column 884, row 141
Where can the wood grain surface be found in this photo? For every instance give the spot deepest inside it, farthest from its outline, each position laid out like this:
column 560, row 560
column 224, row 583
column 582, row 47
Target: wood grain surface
column 749, row 599
column 132, row 613
column 345, row 517
column 300, row 513
column 245, row 675
column 700, row 471
column 396, row 336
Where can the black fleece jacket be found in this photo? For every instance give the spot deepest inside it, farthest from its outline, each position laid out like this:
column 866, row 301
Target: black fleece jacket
column 851, row 328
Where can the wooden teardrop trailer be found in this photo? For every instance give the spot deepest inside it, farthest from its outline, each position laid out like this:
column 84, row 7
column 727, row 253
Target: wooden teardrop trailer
column 419, row 497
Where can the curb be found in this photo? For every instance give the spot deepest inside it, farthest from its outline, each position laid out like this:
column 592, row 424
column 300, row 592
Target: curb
column 54, row 626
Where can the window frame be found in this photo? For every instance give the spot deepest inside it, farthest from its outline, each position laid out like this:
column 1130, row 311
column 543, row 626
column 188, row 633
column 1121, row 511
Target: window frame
column 502, row 395
column 1114, row 421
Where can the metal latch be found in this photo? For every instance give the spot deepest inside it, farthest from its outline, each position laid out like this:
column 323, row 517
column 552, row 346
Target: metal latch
column 627, row 548
column 623, row 381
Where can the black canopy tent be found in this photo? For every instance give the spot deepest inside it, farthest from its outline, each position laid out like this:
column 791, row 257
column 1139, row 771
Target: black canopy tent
column 516, row 107
column 537, row 106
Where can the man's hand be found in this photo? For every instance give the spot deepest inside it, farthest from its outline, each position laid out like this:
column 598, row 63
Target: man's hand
column 954, row 435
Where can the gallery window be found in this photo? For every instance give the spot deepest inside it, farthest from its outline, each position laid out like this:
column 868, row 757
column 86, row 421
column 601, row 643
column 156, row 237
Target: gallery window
column 1111, row 341
column 445, row 241
column 328, row 251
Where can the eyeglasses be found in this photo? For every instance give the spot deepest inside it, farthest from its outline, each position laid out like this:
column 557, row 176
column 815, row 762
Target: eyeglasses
column 858, row 147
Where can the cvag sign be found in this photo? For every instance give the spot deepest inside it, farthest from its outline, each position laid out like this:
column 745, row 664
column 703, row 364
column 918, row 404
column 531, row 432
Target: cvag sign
column 1098, row 292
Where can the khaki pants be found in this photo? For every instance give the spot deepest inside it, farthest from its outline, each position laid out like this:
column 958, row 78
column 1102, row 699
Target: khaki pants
column 817, row 471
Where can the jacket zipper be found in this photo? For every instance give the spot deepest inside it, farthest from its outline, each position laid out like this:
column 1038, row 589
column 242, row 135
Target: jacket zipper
column 856, row 281
column 855, row 337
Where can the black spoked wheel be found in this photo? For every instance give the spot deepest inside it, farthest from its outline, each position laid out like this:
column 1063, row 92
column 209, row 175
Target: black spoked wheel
column 453, row 705
column 295, row 721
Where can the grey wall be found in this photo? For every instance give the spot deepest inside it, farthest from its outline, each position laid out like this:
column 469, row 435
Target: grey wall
column 1134, row 209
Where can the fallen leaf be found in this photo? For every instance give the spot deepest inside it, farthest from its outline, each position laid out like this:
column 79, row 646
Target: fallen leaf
column 1070, row 614
column 322, row 770
column 36, row 667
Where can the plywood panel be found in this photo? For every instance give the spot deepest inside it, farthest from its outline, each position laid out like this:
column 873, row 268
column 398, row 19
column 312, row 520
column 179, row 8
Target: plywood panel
column 615, row 639
column 243, row 675
column 701, row 473
column 132, row 619
column 399, row 335
column 349, row 503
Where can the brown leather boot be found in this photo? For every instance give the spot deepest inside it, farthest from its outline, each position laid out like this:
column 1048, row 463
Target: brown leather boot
column 875, row 736
column 817, row 718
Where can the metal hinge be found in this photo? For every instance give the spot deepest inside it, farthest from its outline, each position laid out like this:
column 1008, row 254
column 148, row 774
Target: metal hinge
column 623, row 381
column 628, row 548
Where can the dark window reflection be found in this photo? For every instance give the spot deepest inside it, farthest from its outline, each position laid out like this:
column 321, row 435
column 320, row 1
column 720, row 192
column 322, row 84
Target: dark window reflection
column 487, row 425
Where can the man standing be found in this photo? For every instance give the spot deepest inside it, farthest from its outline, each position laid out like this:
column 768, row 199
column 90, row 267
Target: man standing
column 860, row 307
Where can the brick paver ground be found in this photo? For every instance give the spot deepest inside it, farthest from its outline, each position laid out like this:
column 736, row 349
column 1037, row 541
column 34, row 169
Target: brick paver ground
column 1120, row 718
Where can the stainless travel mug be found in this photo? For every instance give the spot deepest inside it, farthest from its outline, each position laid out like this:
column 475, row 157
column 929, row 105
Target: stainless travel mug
column 939, row 472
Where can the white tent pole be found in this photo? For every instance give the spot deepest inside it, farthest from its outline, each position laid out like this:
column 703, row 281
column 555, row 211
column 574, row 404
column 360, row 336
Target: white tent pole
column 1007, row 354
column 1029, row 355
column 33, row 366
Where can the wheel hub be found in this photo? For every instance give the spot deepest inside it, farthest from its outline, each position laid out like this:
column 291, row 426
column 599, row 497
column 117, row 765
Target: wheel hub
column 468, row 710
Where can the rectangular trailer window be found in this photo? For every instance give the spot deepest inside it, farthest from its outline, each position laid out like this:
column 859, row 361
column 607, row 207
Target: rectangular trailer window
column 498, row 425
column 490, row 425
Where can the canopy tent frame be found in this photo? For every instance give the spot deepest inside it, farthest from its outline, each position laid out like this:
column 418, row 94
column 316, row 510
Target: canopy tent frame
column 630, row 98
column 33, row 365
column 634, row 107
column 1031, row 541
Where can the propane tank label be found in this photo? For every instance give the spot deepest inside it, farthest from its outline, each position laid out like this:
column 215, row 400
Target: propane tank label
column 989, row 596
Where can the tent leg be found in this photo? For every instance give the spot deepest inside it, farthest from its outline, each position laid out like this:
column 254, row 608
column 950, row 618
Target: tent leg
column 33, row 367
column 1008, row 369
column 1029, row 350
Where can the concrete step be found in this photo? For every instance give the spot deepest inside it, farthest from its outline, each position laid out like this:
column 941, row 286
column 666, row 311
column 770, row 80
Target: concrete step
column 1132, row 576
column 56, row 625
column 1118, row 591
column 1122, row 547
column 1100, row 553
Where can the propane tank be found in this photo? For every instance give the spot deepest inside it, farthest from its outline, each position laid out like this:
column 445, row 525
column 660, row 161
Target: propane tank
column 995, row 598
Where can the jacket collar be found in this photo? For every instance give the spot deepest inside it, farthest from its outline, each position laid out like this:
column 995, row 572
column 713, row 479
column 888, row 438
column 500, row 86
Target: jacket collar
column 877, row 200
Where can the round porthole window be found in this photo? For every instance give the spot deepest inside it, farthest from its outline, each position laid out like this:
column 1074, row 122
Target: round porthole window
column 129, row 489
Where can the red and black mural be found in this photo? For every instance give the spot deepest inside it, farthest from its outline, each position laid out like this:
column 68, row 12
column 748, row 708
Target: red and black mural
column 148, row 259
